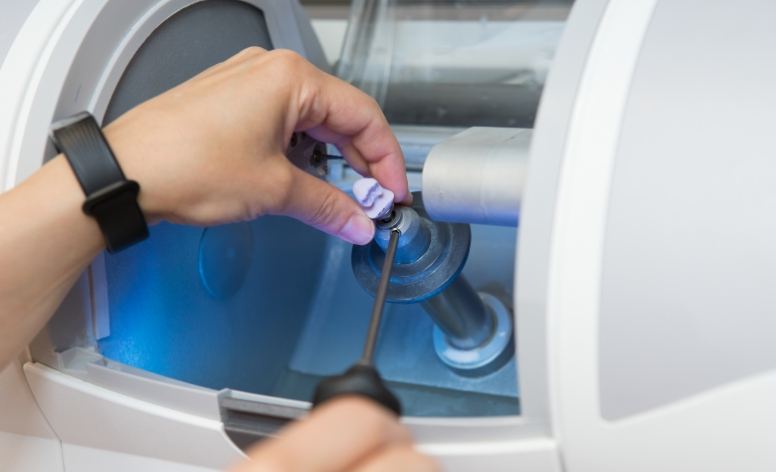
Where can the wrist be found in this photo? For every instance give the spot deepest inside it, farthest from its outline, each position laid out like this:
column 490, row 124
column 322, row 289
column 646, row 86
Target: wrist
column 130, row 158
column 111, row 198
column 56, row 177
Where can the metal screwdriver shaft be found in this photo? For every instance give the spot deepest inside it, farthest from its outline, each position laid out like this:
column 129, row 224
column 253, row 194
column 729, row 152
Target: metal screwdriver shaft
column 362, row 379
column 379, row 304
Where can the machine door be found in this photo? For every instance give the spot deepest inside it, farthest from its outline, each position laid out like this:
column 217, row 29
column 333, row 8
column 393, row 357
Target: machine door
column 215, row 337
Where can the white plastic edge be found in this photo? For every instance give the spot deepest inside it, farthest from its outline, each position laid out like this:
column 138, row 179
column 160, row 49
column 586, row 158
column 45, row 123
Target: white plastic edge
column 580, row 218
column 89, row 415
column 24, row 64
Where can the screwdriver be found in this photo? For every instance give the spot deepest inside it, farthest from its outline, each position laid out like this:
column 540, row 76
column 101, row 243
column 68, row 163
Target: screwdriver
column 362, row 379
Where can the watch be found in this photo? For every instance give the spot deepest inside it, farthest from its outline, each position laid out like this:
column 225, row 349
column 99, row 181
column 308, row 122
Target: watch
column 111, row 198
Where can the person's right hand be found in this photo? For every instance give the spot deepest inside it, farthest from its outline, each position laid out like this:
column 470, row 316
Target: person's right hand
column 211, row 150
column 348, row 435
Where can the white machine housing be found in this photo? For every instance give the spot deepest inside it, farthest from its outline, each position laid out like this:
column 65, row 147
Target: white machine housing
column 644, row 277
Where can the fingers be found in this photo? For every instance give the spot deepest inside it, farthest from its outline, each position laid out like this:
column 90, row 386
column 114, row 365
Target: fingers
column 334, row 437
column 336, row 112
column 404, row 458
column 327, row 208
column 354, row 158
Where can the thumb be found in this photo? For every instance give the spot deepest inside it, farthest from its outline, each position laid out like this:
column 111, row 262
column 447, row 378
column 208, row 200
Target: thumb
column 321, row 205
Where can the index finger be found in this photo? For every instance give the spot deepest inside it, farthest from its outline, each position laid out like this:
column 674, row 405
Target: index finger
column 333, row 437
column 337, row 112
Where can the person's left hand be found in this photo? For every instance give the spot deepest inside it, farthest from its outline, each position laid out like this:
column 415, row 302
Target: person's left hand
column 211, row 150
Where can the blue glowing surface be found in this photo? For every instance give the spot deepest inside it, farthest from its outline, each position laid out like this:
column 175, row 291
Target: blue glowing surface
column 163, row 318
column 271, row 305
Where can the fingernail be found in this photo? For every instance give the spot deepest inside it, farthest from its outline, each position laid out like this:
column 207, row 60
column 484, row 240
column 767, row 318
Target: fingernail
column 358, row 230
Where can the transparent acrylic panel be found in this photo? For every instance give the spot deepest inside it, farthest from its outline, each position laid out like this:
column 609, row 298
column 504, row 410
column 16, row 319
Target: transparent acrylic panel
column 453, row 63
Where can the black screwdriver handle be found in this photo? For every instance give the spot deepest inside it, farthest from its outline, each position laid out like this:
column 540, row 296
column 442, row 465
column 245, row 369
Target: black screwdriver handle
column 360, row 380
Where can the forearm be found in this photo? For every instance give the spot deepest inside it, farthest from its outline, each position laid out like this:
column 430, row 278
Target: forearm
column 207, row 152
column 46, row 241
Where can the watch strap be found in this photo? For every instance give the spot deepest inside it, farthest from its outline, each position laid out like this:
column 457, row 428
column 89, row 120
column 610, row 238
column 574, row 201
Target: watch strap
column 110, row 198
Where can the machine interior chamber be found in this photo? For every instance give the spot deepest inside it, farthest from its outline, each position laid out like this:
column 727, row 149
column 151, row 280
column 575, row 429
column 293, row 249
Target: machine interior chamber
column 271, row 306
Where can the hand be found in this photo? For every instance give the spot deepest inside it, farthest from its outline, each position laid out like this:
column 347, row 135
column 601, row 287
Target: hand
column 211, row 150
column 348, row 434
column 208, row 151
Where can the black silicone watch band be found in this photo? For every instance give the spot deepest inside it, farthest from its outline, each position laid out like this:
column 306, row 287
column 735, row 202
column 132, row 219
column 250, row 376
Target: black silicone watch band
column 110, row 198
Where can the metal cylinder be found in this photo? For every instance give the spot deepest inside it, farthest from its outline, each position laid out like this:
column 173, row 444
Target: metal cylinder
column 460, row 313
column 472, row 331
column 429, row 257
column 477, row 176
column 489, row 355
column 415, row 237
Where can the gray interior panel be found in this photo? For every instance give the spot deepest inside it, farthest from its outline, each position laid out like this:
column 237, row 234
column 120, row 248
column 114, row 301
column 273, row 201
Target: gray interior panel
column 189, row 42
column 689, row 271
